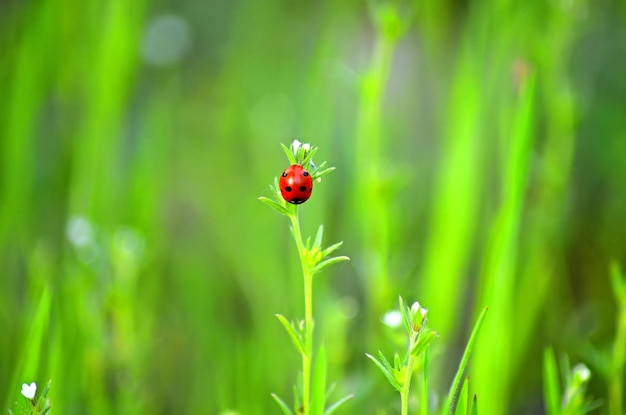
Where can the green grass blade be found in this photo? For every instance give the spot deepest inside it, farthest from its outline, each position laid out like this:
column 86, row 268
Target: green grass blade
column 475, row 406
column 456, row 384
column 28, row 365
column 551, row 388
column 461, row 407
column 424, row 402
column 282, row 405
column 616, row 381
column 318, row 397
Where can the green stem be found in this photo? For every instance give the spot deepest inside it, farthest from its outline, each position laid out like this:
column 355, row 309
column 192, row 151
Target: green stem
column 308, row 314
column 404, row 393
column 424, row 403
column 619, row 357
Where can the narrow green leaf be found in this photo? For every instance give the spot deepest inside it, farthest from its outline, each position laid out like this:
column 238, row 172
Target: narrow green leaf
column 475, row 406
column 330, row 390
column 406, row 318
column 331, row 249
column 328, row 262
column 551, row 388
column 30, row 357
column 385, row 371
column 318, row 392
column 309, row 156
column 461, row 406
column 43, row 395
column 274, row 205
column 618, row 283
column 318, row 237
column 282, row 405
column 398, row 364
column 456, row 384
column 290, row 156
column 618, row 357
column 566, row 370
column 319, row 173
column 46, row 389
column 426, row 336
column 337, row 404
column 295, row 337
column 385, row 362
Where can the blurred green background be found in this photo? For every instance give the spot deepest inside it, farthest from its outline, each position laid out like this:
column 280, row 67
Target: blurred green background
column 480, row 151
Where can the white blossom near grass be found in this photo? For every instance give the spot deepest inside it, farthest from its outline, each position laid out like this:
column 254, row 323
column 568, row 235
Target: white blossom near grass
column 35, row 406
column 29, row 391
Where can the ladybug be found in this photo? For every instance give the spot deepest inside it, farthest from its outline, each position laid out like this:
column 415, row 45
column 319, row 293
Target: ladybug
column 295, row 184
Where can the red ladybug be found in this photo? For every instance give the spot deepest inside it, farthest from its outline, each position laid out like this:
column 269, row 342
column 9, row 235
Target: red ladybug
column 295, row 184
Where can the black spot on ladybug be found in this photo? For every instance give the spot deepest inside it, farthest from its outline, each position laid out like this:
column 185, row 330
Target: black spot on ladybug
column 288, row 188
column 284, row 174
column 306, row 173
column 303, row 188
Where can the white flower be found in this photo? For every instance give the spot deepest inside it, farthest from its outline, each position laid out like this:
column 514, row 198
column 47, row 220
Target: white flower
column 29, row 390
column 581, row 372
column 306, row 147
column 392, row 318
column 295, row 146
column 416, row 308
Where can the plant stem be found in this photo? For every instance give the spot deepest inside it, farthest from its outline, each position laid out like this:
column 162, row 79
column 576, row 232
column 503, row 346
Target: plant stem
column 617, row 372
column 308, row 314
column 424, row 403
column 404, row 394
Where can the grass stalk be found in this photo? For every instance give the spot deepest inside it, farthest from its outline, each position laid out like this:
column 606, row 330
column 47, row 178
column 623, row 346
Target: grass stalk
column 424, row 402
column 375, row 222
column 406, row 387
column 616, row 381
column 308, row 313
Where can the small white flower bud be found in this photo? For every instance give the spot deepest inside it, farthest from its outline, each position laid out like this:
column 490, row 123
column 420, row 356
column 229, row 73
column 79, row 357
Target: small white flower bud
column 295, row 146
column 415, row 308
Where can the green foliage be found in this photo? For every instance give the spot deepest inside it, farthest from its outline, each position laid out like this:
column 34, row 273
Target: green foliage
column 566, row 396
column 420, row 336
column 478, row 149
column 618, row 360
column 455, row 388
column 35, row 406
